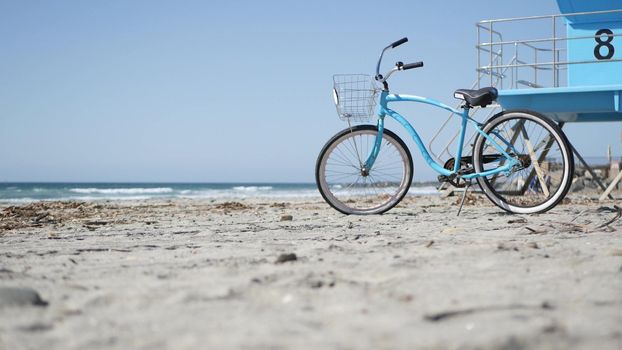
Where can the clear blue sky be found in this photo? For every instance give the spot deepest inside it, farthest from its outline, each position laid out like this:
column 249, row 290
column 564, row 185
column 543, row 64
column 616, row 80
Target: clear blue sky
column 218, row 91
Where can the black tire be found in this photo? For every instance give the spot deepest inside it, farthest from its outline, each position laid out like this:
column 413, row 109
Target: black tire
column 341, row 198
column 537, row 192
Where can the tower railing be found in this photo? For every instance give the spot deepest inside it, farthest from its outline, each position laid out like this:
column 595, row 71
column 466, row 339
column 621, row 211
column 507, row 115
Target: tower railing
column 539, row 55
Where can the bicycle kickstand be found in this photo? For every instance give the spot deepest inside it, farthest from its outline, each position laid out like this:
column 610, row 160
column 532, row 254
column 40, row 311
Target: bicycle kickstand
column 466, row 189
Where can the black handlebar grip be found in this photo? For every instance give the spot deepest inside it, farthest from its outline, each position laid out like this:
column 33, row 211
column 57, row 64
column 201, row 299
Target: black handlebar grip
column 399, row 42
column 412, row 65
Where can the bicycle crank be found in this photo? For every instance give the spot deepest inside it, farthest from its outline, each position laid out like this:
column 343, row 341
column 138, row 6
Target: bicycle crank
column 465, row 168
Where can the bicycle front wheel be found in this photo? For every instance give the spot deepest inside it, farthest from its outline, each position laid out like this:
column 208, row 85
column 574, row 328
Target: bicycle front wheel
column 544, row 173
column 351, row 189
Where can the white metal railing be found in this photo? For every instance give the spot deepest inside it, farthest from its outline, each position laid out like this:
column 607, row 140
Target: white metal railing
column 543, row 57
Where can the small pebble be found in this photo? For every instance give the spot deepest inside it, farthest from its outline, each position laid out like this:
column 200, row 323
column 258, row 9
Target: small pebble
column 552, row 328
column 287, row 218
column 36, row 327
column 547, row 306
column 285, row 258
column 503, row 246
column 316, row 284
column 12, row 296
column 406, row 298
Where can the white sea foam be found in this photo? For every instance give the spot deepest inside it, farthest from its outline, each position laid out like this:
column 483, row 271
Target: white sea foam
column 198, row 192
column 224, row 194
column 252, row 188
column 357, row 192
column 155, row 190
column 18, row 200
column 113, row 198
column 423, row 190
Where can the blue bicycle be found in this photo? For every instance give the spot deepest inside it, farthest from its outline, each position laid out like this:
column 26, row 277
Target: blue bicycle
column 520, row 159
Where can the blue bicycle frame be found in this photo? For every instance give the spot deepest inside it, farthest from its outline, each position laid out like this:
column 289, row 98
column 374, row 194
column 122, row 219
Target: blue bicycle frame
column 384, row 111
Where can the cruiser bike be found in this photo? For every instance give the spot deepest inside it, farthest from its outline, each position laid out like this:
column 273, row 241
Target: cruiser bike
column 521, row 159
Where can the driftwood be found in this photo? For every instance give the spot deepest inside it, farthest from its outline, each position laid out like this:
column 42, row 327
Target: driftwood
column 441, row 316
column 571, row 226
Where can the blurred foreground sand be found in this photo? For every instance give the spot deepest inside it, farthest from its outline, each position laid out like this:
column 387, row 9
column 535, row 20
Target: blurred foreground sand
column 187, row 274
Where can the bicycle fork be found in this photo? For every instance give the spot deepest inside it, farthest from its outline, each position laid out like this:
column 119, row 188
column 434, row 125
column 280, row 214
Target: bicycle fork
column 369, row 163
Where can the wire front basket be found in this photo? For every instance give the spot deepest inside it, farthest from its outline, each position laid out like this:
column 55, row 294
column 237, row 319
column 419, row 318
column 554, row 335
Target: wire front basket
column 355, row 96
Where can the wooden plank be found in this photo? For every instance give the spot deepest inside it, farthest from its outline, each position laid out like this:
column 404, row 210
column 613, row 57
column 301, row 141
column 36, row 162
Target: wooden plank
column 534, row 162
column 611, row 187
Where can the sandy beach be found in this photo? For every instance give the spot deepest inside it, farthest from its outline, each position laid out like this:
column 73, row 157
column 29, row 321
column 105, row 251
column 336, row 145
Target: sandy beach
column 296, row 274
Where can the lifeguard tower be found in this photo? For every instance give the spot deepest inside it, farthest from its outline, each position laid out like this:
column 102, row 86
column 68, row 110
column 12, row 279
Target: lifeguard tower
column 571, row 71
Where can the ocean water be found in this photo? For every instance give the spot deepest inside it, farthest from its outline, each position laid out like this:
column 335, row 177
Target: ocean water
column 28, row 192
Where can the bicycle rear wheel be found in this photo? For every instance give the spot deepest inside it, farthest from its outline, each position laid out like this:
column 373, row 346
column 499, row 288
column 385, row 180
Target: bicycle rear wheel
column 349, row 188
column 546, row 167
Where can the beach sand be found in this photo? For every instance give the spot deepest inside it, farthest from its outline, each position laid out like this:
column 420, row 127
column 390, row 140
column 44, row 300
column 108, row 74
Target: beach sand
column 254, row 274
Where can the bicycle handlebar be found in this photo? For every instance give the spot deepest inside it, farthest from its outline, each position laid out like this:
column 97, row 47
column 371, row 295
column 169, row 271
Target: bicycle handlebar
column 393, row 45
column 412, row 65
column 399, row 42
column 398, row 66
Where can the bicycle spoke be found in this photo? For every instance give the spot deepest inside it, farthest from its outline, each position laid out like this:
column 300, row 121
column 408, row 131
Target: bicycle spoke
column 355, row 190
column 541, row 177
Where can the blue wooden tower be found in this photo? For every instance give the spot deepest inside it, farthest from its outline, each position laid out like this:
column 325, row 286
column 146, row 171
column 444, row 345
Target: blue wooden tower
column 589, row 54
column 571, row 71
